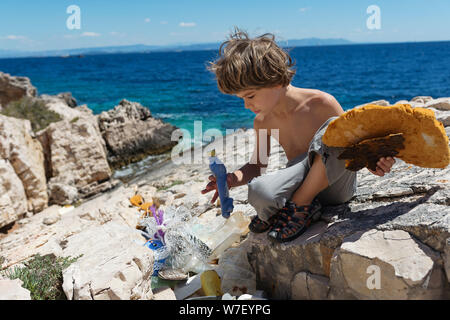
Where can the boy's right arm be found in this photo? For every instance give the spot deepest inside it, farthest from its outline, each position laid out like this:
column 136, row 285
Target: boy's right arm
column 251, row 169
column 259, row 159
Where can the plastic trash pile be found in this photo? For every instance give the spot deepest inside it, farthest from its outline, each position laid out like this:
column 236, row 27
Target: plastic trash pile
column 181, row 242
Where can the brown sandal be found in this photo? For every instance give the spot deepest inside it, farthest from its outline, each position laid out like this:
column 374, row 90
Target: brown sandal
column 259, row 226
column 294, row 223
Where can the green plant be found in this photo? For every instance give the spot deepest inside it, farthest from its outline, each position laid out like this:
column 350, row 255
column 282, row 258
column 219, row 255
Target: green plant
column 42, row 276
column 74, row 119
column 174, row 183
column 32, row 109
column 77, row 203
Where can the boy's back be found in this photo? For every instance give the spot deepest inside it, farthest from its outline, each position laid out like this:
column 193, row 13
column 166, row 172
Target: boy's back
column 299, row 120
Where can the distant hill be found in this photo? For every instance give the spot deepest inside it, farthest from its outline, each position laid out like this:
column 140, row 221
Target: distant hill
column 310, row 42
column 146, row 48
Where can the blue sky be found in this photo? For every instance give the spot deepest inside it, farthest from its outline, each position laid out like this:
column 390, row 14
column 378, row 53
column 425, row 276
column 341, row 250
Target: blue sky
column 41, row 24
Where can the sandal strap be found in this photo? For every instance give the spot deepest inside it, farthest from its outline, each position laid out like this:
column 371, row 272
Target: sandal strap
column 257, row 225
column 294, row 222
column 258, row 221
column 296, row 218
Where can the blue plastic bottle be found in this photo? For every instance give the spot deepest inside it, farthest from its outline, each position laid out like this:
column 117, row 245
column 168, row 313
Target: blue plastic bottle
column 220, row 172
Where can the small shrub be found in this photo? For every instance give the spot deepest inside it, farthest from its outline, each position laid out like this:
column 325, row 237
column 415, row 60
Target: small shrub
column 74, row 119
column 42, row 276
column 174, row 183
column 77, row 203
column 32, row 109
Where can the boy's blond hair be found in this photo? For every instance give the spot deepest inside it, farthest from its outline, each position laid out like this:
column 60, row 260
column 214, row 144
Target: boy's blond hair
column 248, row 63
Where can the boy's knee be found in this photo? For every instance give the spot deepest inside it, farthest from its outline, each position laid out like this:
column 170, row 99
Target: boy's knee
column 341, row 193
column 259, row 193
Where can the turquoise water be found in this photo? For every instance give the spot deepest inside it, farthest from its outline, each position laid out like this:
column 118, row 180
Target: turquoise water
column 177, row 87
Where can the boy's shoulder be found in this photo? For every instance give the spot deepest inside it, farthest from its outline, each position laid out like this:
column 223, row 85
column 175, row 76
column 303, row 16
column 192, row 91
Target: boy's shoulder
column 320, row 103
column 314, row 107
column 315, row 98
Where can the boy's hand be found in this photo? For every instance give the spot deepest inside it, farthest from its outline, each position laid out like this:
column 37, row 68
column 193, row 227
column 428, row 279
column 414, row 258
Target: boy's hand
column 213, row 186
column 384, row 165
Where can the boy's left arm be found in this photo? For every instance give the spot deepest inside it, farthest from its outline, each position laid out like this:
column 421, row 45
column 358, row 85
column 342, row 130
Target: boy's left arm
column 384, row 166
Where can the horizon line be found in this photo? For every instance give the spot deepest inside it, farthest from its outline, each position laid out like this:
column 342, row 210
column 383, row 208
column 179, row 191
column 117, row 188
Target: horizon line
column 178, row 47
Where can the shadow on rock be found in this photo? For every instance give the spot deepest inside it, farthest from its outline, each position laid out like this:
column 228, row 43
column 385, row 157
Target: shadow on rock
column 346, row 221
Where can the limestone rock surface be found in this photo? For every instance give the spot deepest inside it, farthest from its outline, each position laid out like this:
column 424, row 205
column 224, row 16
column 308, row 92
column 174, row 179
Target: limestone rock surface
column 13, row 88
column 113, row 267
column 406, row 211
column 25, row 154
column 131, row 133
column 76, row 165
column 13, row 201
column 13, row 290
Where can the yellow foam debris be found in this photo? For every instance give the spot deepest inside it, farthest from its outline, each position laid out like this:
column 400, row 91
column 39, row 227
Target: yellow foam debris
column 146, row 207
column 426, row 143
column 136, row 200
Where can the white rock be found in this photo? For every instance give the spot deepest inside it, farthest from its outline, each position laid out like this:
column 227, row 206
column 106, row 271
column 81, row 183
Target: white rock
column 237, row 275
column 26, row 157
column 59, row 105
column 76, row 159
column 306, row 286
column 318, row 287
column 112, row 264
column 300, row 287
column 13, row 88
column 130, row 130
column 446, row 257
column 62, row 193
column 386, row 265
column 13, row 202
column 51, row 218
column 13, row 290
column 164, row 293
column 442, row 116
column 440, row 104
column 377, row 102
column 393, row 192
column 422, row 99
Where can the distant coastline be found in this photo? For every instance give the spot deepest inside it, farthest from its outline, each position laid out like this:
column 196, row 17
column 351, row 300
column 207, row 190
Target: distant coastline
column 141, row 48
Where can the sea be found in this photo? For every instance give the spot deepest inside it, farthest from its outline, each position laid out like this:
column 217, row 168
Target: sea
column 178, row 88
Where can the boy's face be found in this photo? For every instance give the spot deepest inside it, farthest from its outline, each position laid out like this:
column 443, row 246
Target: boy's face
column 261, row 101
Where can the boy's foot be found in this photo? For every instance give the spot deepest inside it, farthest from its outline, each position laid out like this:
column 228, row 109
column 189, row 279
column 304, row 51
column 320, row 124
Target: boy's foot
column 294, row 223
column 259, row 226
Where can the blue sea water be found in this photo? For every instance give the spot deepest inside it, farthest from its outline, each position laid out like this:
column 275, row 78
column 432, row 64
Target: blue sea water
column 178, row 88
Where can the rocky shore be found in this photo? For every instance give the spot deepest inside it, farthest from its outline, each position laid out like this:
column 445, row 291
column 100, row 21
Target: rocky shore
column 390, row 241
column 71, row 159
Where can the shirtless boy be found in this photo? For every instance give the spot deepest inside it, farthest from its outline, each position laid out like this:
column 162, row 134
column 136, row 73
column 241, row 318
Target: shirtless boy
column 288, row 200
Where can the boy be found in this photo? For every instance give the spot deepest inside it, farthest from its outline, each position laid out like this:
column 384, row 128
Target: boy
column 288, row 200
